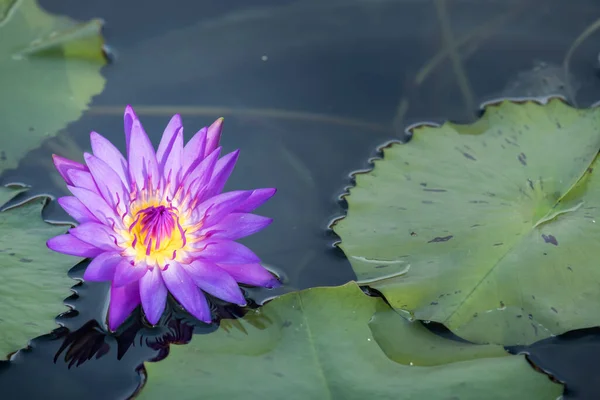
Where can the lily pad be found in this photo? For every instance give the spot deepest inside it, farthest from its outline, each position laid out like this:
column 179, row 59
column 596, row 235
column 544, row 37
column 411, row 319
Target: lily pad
column 317, row 345
column 34, row 279
column 488, row 228
column 49, row 71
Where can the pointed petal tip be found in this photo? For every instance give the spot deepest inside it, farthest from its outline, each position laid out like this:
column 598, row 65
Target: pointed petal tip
column 273, row 284
column 152, row 319
column 122, row 303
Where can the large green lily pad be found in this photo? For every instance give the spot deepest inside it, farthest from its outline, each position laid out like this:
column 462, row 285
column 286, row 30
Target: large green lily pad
column 49, row 71
column 34, row 279
column 317, row 345
column 488, row 228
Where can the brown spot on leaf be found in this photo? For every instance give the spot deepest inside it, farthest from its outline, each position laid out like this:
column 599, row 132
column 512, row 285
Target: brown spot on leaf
column 435, row 190
column 441, row 239
column 550, row 239
column 530, row 182
column 498, row 244
column 465, row 154
column 413, row 234
column 554, row 309
column 522, row 158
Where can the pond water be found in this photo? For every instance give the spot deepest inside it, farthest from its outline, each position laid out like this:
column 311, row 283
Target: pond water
column 308, row 90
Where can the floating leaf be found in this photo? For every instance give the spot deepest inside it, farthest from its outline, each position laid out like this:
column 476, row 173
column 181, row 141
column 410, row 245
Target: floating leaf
column 49, row 71
column 318, row 346
column 488, row 228
column 34, row 279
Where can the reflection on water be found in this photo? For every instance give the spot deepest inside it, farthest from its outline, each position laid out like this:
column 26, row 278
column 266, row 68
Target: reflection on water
column 309, row 89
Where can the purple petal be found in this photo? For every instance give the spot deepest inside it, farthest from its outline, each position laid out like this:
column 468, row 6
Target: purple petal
column 127, row 272
column 76, row 209
column 222, row 172
column 183, row 288
column 128, row 120
column 63, row 165
column 97, row 206
column 108, row 181
column 123, row 300
column 83, row 179
column 142, row 159
column 213, row 136
column 96, row 234
column 236, row 226
column 102, row 268
column 168, row 136
column 153, row 293
column 200, row 175
column 226, row 252
column 216, row 281
column 251, row 274
column 107, row 152
column 172, row 165
column 215, row 208
column 193, row 152
column 256, row 199
column 68, row 244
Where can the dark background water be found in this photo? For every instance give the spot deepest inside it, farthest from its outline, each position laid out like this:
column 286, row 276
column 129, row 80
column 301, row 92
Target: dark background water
column 309, row 89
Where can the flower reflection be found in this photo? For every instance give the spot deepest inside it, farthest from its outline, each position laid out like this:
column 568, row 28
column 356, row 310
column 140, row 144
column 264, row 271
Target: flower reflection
column 92, row 341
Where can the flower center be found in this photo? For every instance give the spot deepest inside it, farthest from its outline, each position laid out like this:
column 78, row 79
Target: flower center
column 157, row 233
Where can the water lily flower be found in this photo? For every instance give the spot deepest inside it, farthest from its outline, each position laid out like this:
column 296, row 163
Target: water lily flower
column 158, row 222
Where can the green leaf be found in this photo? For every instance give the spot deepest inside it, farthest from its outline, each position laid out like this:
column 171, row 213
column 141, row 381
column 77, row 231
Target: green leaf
column 34, row 279
column 317, row 345
column 488, row 228
column 49, row 71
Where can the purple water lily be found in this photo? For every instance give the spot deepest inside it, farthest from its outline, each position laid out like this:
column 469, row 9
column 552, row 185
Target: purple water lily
column 158, row 222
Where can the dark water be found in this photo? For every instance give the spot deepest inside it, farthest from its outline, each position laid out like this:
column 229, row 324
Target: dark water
column 309, row 89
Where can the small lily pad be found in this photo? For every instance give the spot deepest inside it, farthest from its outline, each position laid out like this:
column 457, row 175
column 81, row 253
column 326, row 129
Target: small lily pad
column 491, row 228
column 316, row 344
column 49, row 71
column 34, row 279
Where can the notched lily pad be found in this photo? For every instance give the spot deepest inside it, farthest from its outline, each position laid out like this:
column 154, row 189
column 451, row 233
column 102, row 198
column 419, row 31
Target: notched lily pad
column 316, row 344
column 489, row 228
column 34, row 279
column 49, row 71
